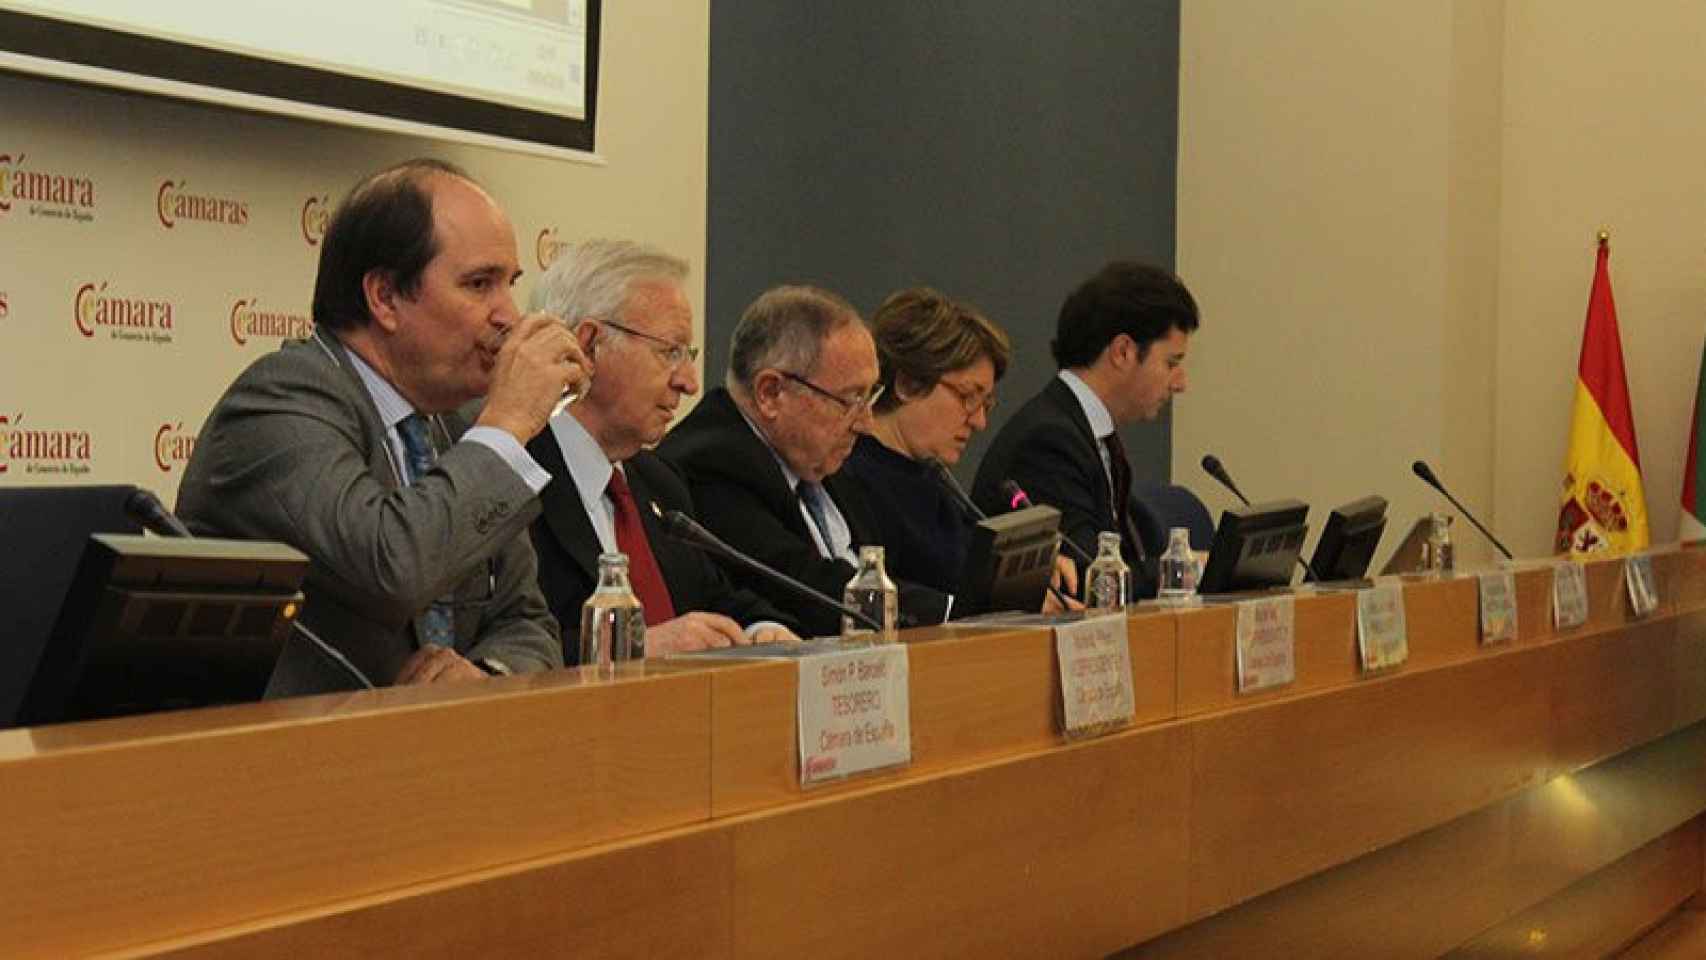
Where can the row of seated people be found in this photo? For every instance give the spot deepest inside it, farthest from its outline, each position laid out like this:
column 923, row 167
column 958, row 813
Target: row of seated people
column 417, row 447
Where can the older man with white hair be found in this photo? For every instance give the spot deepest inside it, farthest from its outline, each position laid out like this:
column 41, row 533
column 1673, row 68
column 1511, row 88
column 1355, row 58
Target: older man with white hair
column 625, row 304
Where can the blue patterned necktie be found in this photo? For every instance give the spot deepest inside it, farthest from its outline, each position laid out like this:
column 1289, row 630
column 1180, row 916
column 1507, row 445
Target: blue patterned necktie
column 812, row 494
column 434, row 625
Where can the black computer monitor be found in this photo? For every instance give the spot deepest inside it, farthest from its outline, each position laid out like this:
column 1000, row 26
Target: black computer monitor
column 1255, row 547
column 1349, row 540
column 153, row 623
column 1010, row 560
column 44, row 530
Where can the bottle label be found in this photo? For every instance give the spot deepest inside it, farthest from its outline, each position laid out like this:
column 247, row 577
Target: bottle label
column 854, row 713
column 1267, row 643
column 1096, row 691
column 1498, row 607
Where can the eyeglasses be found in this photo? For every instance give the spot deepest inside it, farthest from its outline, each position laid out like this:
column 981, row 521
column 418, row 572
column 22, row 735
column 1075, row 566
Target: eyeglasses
column 671, row 353
column 971, row 398
column 850, row 408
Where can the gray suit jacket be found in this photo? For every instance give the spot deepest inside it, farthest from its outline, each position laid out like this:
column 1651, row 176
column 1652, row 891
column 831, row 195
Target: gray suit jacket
column 294, row 451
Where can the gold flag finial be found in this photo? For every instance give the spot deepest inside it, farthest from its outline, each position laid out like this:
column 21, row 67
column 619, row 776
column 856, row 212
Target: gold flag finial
column 1604, row 236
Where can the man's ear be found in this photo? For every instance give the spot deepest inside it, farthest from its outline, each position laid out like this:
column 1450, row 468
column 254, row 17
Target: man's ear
column 1121, row 351
column 766, row 391
column 381, row 294
column 587, row 334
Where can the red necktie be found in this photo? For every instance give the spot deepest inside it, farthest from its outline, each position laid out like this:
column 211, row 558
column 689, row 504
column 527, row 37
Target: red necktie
column 631, row 539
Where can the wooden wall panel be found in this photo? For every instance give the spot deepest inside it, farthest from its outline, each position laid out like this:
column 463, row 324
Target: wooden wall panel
column 1604, row 912
column 1070, row 853
column 638, row 900
column 158, row 837
column 1615, row 690
column 1302, row 785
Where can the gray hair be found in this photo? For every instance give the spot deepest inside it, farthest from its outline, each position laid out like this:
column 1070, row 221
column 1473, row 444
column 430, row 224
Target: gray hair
column 784, row 329
column 593, row 278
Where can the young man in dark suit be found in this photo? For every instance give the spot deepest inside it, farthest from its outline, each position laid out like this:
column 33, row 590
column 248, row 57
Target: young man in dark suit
column 1120, row 343
column 626, row 306
column 761, row 454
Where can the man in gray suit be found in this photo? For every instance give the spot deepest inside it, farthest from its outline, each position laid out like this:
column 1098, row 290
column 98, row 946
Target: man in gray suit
column 348, row 446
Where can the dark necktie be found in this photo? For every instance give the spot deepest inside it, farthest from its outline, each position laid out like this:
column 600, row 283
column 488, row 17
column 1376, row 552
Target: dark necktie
column 812, row 495
column 435, row 625
column 643, row 571
column 1120, row 467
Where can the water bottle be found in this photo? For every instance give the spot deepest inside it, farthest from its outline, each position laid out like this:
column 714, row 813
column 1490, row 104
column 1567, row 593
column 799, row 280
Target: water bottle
column 1108, row 582
column 613, row 624
column 1178, row 569
column 872, row 593
column 1438, row 555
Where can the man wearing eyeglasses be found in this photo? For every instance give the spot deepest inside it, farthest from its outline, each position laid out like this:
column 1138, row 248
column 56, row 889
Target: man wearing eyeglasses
column 762, row 453
column 626, row 306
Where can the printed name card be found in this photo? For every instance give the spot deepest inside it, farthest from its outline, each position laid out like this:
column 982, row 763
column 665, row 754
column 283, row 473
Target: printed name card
column 1643, row 586
column 1498, row 607
column 854, row 713
column 1382, row 637
column 1569, row 595
column 1095, row 676
column 1267, row 643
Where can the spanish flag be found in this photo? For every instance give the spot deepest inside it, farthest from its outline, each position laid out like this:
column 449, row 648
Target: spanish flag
column 1604, row 507
column 1692, row 524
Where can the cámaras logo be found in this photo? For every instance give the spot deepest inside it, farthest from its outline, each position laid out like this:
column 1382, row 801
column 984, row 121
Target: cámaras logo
column 547, row 246
column 173, row 202
column 249, row 320
column 172, row 446
column 43, row 451
column 316, row 213
column 124, row 317
column 44, row 193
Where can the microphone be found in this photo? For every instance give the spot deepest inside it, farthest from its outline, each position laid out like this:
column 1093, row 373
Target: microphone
column 1017, row 499
column 682, row 527
column 945, row 477
column 1421, row 469
column 145, row 508
column 1213, row 467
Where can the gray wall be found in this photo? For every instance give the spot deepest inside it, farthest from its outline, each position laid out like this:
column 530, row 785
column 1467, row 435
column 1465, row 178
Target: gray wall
column 998, row 150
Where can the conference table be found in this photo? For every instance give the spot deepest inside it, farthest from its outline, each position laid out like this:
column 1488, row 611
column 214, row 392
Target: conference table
column 1479, row 799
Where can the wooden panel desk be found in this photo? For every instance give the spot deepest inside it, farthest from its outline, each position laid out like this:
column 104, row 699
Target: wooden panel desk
column 1430, row 808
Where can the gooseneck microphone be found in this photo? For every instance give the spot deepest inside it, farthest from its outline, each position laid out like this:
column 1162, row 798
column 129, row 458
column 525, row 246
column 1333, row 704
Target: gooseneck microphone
column 684, row 528
column 1017, row 499
column 1213, row 467
column 145, row 508
column 1421, row 469
column 945, row 477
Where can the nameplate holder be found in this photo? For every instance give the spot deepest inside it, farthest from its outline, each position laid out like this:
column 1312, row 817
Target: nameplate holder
column 1569, row 595
column 1096, row 692
column 1382, row 638
column 1267, row 644
column 1643, row 586
column 854, row 713
column 1498, row 607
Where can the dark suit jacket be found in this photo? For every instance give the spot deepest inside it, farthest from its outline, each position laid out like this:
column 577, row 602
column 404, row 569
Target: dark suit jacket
column 1047, row 448
column 294, row 451
column 568, row 548
column 744, row 498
